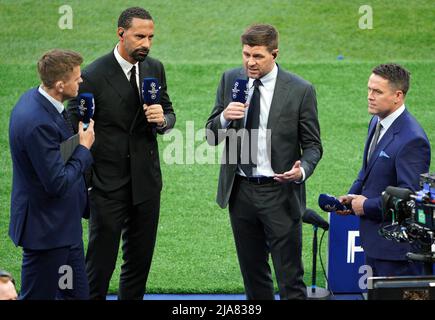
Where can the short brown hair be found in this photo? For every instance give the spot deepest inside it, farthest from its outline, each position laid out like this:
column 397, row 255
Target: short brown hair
column 397, row 75
column 261, row 35
column 57, row 64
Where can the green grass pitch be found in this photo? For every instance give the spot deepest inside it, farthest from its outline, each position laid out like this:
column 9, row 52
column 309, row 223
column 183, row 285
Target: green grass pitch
column 197, row 41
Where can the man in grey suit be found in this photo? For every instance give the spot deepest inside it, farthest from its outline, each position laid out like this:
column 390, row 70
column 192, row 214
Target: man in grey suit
column 272, row 145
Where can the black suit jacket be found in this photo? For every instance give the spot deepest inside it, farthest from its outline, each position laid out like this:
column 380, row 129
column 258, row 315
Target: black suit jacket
column 295, row 133
column 125, row 148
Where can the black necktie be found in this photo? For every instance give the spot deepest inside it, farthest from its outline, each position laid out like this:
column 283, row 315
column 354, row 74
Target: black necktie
column 252, row 125
column 67, row 121
column 374, row 140
column 133, row 80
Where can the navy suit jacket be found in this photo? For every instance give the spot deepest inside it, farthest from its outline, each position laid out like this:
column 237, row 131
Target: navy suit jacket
column 48, row 197
column 400, row 157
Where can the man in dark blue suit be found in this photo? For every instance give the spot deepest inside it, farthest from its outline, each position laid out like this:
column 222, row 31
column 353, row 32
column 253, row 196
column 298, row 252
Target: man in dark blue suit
column 49, row 196
column 397, row 151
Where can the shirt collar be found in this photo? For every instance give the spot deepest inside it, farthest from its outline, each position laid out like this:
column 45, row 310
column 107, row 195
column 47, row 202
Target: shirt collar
column 125, row 65
column 267, row 80
column 388, row 121
column 56, row 103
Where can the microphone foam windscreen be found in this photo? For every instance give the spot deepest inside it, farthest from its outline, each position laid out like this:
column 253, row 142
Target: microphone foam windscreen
column 150, row 91
column 86, row 107
column 240, row 91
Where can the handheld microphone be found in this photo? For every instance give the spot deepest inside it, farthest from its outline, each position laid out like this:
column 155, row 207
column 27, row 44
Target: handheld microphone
column 150, row 91
column 240, row 91
column 311, row 217
column 86, row 108
column 330, row 203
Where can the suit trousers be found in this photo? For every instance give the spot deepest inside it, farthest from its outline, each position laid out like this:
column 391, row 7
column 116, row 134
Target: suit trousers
column 262, row 226
column 112, row 219
column 394, row 268
column 54, row 274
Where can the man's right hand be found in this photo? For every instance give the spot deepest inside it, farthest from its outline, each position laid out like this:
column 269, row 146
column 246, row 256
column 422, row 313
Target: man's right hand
column 234, row 111
column 87, row 137
column 347, row 201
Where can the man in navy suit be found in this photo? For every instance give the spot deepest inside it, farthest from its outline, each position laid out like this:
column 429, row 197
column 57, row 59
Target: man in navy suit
column 397, row 151
column 49, row 196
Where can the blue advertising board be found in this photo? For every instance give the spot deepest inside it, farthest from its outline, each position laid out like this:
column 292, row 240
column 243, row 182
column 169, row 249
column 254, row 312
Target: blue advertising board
column 346, row 270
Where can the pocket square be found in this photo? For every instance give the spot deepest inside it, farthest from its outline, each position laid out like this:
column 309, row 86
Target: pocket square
column 382, row 154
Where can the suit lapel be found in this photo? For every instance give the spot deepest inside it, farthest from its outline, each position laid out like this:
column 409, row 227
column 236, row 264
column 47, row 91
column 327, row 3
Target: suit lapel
column 387, row 138
column 383, row 143
column 371, row 131
column 278, row 101
column 118, row 81
column 143, row 73
column 55, row 115
column 115, row 76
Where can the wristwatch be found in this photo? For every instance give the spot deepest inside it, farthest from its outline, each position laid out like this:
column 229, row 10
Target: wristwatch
column 165, row 123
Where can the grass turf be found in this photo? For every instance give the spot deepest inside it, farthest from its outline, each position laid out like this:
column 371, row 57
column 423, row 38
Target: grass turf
column 197, row 41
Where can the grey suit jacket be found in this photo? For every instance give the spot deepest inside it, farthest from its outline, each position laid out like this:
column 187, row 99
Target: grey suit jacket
column 295, row 133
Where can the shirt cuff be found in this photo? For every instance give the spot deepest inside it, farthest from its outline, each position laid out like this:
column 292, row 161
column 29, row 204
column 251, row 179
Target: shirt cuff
column 224, row 123
column 303, row 176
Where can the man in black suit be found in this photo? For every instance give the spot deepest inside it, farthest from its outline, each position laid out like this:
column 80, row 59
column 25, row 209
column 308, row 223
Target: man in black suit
column 126, row 177
column 272, row 145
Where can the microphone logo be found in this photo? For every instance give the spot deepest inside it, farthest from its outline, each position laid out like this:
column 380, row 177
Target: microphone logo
column 86, row 107
column 240, row 90
column 330, row 208
column 153, row 92
column 235, row 89
column 150, row 91
column 82, row 107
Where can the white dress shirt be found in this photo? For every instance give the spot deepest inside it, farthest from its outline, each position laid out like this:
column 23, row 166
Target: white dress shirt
column 388, row 121
column 126, row 66
column 56, row 103
column 264, row 167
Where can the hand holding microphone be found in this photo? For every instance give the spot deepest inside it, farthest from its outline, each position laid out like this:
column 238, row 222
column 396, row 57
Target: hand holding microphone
column 151, row 97
column 154, row 114
column 341, row 206
column 86, row 136
column 236, row 109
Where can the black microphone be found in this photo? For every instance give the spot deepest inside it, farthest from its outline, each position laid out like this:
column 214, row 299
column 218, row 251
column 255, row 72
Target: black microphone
column 401, row 193
column 311, row 217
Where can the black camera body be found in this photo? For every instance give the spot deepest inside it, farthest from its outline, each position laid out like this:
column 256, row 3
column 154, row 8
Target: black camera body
column 401, row 205
column 411, row 215
column 424, row 213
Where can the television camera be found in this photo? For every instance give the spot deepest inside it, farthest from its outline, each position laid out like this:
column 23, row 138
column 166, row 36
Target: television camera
column 410, row 217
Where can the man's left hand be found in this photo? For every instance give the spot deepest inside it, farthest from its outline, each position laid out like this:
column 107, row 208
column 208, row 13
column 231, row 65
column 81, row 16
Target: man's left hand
column 154, row 114
column 295, row 174
column 358, row 204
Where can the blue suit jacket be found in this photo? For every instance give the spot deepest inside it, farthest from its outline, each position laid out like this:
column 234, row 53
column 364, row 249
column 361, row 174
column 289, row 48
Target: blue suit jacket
column 400, row 157
column 48, row 197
